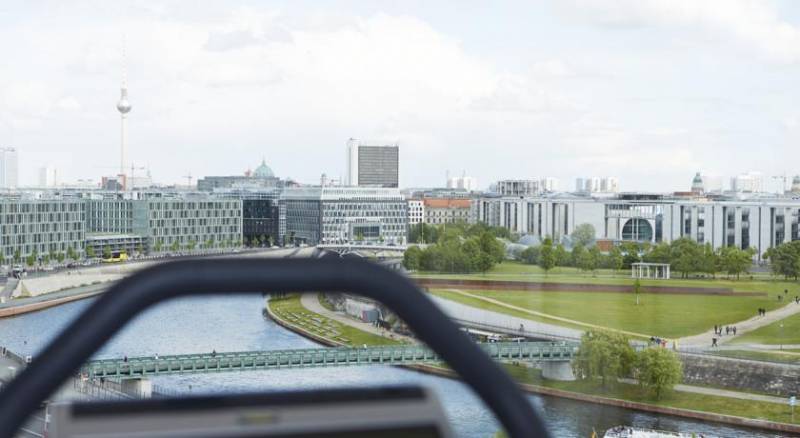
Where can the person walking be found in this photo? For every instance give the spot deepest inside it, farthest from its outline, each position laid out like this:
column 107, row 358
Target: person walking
column 715, row 329
column 714, row 341
column 734, row 330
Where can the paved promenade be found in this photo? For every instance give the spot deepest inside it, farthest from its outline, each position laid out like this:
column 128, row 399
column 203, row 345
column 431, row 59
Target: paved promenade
column 742, row 327
column 311, row 302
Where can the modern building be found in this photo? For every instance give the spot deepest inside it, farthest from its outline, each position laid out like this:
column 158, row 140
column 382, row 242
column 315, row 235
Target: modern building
column 9, row 177
column 467, row 183
column 40, row 226
column 169, row 221
column 373, row 165
column 47, row 177
column 526, row 187
column 759, row 222
column 597, row 184
column 416, row 211
column 446, row 211
column 750, row 182
column 130, row 244
column 342, row 215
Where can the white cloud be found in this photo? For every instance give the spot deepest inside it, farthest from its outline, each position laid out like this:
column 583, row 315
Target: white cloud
column 754, row 23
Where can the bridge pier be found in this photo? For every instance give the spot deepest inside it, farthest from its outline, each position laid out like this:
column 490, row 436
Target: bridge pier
column 140, row 388
column 561, row 370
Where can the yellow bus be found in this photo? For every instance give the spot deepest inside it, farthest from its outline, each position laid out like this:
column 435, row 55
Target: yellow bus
column 116, row 256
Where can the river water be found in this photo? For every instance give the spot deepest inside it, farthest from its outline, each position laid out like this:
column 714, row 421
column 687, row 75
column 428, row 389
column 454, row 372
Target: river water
column 235, row 323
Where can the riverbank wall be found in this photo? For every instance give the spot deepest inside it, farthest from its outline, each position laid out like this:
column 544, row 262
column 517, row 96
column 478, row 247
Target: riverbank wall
column 741, row 374
column 33, row 306
column 588, row 398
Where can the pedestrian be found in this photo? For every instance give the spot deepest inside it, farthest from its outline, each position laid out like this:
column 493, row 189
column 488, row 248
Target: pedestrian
column 715, row 329
column 156, row 356
column 714, row 341
column 214, row 353
column 125, row 359
column 734, row 330
column 785, row 291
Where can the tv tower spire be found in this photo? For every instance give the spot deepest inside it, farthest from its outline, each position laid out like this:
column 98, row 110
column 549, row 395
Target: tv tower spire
column 124, row 107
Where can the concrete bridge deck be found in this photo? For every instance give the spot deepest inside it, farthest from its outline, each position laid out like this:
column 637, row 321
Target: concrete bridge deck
column 315, row 357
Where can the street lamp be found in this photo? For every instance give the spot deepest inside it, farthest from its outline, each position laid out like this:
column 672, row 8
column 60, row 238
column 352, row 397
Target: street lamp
column 781, row 335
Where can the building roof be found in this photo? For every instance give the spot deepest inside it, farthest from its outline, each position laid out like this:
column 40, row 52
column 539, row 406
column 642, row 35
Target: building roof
column 447, row 203
column 263, row 171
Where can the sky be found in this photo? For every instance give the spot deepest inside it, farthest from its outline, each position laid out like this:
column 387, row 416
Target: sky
column 650, row 91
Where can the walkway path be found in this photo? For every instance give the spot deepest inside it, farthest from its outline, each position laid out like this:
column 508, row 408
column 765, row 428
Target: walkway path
column 722, row 393
column 742, row 327
column 311, row 302
column 487, row 318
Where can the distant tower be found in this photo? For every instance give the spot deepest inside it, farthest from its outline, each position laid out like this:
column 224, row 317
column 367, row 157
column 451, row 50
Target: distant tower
column 124, row 107
column 697, row 184
column 796, row 185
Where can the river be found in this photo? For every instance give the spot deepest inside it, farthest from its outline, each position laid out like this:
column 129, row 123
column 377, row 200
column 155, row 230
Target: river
column 235, row 323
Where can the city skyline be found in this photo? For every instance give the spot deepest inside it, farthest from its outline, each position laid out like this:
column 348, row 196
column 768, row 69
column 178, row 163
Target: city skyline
column 216, row 89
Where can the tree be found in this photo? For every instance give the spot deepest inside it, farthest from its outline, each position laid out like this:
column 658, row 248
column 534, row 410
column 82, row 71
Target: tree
column 577, row 253
column 637, row 288
column 734, row 261
column 492, row 247
column 529, row 255
column 72, row 254
column 658, row 370
column 140, row 249
column 630, row 254
column 60, row 257
column 2, row 258
column 158, row 245
column 30, row 260
column 709, row 261
column 90, row 252
column 562, row 256
column 175, row 246
column 685, row 256
column 615, row 258
column 583, row 235
column 106, row 252
column 784, row 259
column 411, row 258
column 17, row 256
column 46, row 259
column 604, row 355
column 547, row 257
column 191, row 244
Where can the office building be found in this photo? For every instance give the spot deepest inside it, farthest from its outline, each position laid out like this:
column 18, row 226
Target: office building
column 597, row 184
column 526, row 187
column 467, row 183
column 40, row 226
column 446, row 211
column 9, row 178
column 416, row 211
column 750, row 182
column 372, row 164
column 342, row 215
column 759, row 222
column 47, row 177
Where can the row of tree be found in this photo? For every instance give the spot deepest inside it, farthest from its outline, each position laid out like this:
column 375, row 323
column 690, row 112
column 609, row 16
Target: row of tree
column 427, row 233
column 687, row 257
column 46, row 258
column 457, row 253
column 784, row 259
column 607, row 356
column 547, row 256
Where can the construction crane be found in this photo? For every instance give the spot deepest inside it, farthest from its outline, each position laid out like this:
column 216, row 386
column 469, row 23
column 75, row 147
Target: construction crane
column 188, row 180
column 134, row 168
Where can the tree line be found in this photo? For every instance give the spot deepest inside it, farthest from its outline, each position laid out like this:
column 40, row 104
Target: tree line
column 607, row 357
column 784, row 259
column 459, row 248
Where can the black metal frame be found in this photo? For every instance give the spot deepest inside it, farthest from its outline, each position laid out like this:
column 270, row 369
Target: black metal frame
column 127, row 298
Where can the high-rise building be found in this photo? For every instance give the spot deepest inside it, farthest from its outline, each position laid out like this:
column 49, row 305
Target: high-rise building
column 467, row 183
column 47, row 176
column 8, row 168
column 597, row 184
column 372, row 165
column 124, row 107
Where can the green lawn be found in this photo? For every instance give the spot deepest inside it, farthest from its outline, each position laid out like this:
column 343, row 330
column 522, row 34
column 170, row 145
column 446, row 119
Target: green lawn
column 662, row 315
column 761, row 355
column 773, row 334
column 521, row 272
column 685, row 400
column 292, row 311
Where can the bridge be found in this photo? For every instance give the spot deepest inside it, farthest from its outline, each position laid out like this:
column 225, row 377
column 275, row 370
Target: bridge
column 558, row 354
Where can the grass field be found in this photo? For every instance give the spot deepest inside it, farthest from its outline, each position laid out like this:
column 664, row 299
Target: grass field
column 662, row 315
column 685, row 400
column 521, row 272
column 773, row 334
column 291, row 310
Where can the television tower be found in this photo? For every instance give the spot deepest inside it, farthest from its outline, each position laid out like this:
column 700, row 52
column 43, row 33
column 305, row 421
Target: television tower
column 124, row 107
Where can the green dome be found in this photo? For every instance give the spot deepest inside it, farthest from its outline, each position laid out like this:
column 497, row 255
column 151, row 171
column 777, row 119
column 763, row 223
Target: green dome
column 263, row 171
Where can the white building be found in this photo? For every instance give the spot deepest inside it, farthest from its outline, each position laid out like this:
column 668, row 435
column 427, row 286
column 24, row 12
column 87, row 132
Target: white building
column 750, row 182
column 597, row 184
column 759, row 222
column 467, row 183
column 47, row 176
column 416, row 211
column 9, row 178
column 526, row 187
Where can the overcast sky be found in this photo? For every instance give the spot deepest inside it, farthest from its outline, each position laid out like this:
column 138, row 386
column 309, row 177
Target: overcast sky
column 647, row 90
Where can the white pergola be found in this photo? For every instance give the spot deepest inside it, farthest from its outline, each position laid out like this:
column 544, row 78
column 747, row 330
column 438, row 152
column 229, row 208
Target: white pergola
column 650, row 270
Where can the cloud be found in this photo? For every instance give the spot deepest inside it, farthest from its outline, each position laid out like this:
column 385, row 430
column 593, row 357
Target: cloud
column 756, row 24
